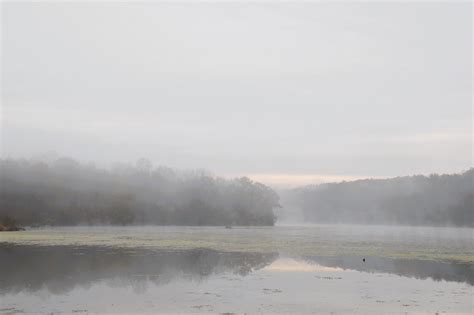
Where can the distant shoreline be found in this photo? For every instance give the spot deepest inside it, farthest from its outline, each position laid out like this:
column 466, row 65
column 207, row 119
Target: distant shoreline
column 10, row 228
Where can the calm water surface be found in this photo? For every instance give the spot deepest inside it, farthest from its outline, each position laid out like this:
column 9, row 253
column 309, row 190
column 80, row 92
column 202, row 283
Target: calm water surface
column 287, row 269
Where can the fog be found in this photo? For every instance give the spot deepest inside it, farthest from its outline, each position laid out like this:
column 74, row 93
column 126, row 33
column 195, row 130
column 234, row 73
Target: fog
column 283, row 93
column 436, row 200
column 235, row 157
column 262, row 96
column 65, row 192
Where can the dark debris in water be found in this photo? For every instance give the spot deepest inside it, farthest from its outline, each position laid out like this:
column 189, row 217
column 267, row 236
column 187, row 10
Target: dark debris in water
column 266, row 290
column 328, row 278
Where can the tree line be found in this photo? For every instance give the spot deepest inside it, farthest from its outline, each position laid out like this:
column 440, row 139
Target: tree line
column 66, row 192
column 435, row 200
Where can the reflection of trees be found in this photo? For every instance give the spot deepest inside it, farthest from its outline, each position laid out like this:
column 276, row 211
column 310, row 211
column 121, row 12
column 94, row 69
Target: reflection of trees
column 61, row 268
column 420, row 269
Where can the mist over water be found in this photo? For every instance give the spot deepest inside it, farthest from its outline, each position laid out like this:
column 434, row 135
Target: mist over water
column 303, row 157
column 66, row 192
column 435, row 200
column 208, row 269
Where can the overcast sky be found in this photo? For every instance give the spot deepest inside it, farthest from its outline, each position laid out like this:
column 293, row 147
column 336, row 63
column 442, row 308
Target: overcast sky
column 284, row 93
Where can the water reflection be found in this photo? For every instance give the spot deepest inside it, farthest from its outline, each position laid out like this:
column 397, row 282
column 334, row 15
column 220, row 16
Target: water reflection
column 420, row 269
column 60, row 269
column 294, row 265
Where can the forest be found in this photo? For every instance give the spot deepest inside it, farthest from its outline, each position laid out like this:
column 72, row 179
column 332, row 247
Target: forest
column 66, row 192
column 435, row 200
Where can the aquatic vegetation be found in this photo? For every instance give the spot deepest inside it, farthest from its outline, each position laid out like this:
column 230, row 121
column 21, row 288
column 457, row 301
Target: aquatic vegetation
column 310, row 241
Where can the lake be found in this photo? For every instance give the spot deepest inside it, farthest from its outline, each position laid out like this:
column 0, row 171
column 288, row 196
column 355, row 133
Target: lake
column 282, row 269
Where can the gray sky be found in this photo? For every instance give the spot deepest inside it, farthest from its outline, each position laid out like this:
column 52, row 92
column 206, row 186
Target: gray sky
column 285, row 93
